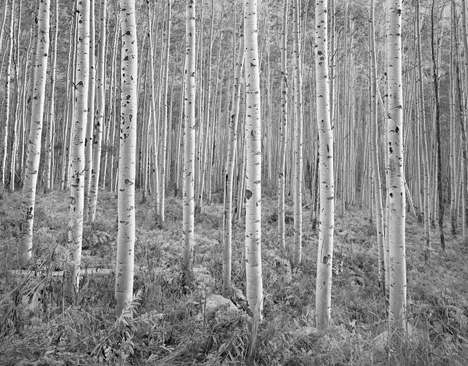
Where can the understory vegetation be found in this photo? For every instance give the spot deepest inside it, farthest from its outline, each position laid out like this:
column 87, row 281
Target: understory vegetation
column 168, row 323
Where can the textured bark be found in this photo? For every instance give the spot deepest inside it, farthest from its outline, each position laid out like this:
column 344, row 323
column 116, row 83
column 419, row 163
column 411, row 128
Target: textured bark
column 253, row 134
column 8, row 98
column 90, row 116
column 327, row 199
column 128, row 132
column 48, row 172
column 100, row 112
column 298, row 138
column 396, row 192
column 189, row 140
column 283, row 128
column 230, row 166
column 81, row 82
column 34, row 144
column 378, row 205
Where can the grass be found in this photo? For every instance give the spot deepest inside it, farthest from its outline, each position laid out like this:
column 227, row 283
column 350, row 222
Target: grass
column 164, row 325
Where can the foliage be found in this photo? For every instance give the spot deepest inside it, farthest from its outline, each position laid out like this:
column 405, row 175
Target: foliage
column 166, row 324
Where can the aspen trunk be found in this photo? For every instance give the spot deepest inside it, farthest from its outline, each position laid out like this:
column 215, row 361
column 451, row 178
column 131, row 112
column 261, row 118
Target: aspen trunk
column 327, row 199
column 253, row 186
column 34, row 145
column 396, row 183
column 100, row 112
column 75, row 225
column 127, row 157
column 189, row 140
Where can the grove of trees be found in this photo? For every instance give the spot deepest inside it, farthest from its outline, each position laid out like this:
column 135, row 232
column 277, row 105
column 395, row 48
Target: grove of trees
column 320, row 107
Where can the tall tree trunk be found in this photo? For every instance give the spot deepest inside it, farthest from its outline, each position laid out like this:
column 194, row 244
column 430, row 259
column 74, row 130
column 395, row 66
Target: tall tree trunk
column 327, row 199
column 230, row 166
column 435, row 79
column 298, row 139
column 8, row 98
column 283, row 128
column 375, row 157
column 81, row 82
column 128, row 132
column 48, row 172
column 100, row 111
column 396, row 192
column 34, row 144
column 90, row 122
column 189, row 140
column 253, row 134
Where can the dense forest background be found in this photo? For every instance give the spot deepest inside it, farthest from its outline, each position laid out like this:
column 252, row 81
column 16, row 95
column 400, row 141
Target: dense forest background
column 176, row 316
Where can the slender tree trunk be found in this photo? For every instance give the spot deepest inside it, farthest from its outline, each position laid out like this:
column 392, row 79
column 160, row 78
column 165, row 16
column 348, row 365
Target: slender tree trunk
column 90, row 123
column 253, row 186
column 230, row 166
column 396, row 191
column 8, row 98
column 128, row 132
column 48, row 173
column 100, row 112
column 75, row 225
column 35, row 131
column 189, row 140
column 437, row 123
column 383, row 261
column 327, row 199
column 298, row 138
column 283, row 128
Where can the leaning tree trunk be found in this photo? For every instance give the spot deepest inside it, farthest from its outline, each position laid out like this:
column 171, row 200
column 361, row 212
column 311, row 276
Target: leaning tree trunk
column 396, row 191
column 327, row 199
column 34, row 145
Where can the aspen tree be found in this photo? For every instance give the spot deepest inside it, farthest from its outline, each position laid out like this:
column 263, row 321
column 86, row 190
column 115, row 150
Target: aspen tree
column 377, row 187
column 283, row 128
column 396, row 184
column 465, row 114
column 90, row 116
column 128, row 128
column 327, row 199
column 298, row 138
column 35, row 131
column 100, row 111
column 8, row 97
column 48, row 173
column 422, row 121
column 20, row 91
column 189, row 139
column 80, row 109
column 165, row 126
column 435, row 78
column 253, row 134
column 230, row 166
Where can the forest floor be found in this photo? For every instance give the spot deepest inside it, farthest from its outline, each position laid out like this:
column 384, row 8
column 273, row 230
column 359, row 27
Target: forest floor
column 171, row 322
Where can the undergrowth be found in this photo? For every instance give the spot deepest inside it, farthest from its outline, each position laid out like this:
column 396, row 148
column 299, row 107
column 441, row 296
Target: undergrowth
column 166, row 323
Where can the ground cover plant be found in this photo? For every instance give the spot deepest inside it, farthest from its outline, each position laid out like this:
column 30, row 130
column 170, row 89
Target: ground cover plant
column 170, row 323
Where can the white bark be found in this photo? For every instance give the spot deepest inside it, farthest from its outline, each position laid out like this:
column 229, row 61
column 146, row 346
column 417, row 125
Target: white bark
column 100, row 112
column 396, row 191
column 253, row 135
column 128, row 132
column 189, row 139
column 75, row 225
column 327, row 199
column 34, row 145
